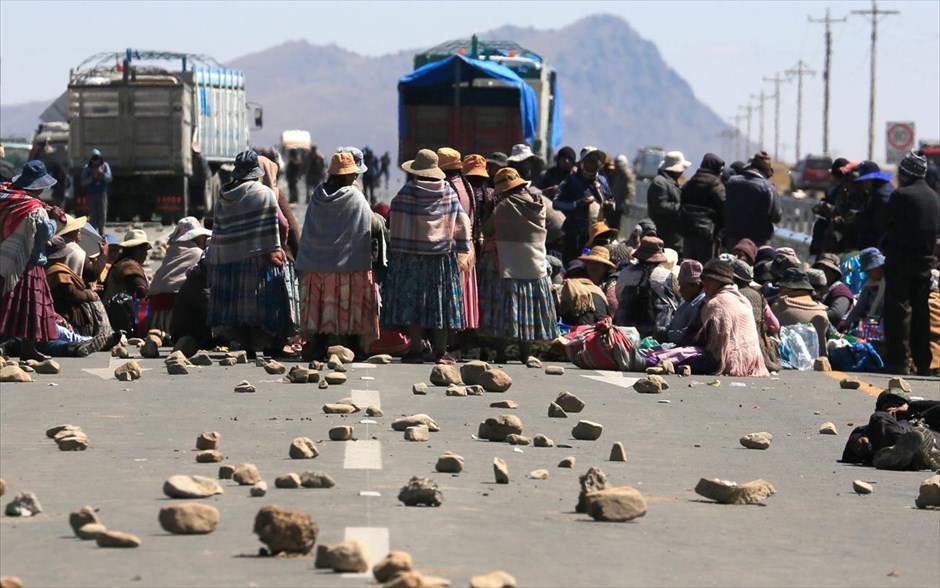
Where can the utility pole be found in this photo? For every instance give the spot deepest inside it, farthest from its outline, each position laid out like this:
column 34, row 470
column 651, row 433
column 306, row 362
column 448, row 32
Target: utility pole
column 761, row 98
column 799, row 71
column 734, row 137
column 726, row 136
column 873, row 14
column 826, row 73
column 747, row 138
column 738, row 147
column 777, row 80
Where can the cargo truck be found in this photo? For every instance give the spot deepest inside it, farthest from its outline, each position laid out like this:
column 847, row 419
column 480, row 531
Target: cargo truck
column 479, row 97
column 148, row 118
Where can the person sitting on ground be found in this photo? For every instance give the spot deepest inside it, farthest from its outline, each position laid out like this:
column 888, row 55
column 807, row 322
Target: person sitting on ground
column 784, row 259
column 68, row 343
column 796, row 306
column 746, row 250
column 70, row 295
column 579, row 300
column 646, row 291
column 687, row 319
column 767, row 323
column 871, row 300
column 71, row 232
column 838, row 297
column 900, row 435
column 817, row 279
column 187, row 244
column 127, row 274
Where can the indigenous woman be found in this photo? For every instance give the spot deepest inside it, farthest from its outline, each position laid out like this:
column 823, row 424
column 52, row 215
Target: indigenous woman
column 187, row 243
column 451, row 164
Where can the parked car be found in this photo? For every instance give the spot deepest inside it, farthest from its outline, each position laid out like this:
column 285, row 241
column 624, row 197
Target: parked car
column 811, row 173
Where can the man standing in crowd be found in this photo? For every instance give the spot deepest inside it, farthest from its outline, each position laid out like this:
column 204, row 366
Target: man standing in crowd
column 555, row 175
column 752, row 204
column 702, row 211
column 663, row 198
column 96, row 175
column 583, row 197
column 877, row 189
column 911, row 224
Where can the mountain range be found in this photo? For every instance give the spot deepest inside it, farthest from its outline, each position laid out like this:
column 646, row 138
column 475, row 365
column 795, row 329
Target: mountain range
column 617, row 92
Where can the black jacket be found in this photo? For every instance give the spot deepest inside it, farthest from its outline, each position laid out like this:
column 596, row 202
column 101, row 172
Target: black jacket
column 752, row 206
column 702, row 209
column 911, row 222
column 662, row 201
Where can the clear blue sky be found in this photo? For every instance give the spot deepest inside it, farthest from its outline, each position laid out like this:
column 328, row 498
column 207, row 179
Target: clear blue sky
column 722, row 49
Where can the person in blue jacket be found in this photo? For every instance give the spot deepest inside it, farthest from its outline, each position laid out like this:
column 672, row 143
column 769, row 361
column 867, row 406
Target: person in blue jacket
column 96, row 175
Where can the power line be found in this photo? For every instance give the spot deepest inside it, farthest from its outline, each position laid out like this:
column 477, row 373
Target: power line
column 777, row 80
column 749, row 108
column 799, row 71
column 873, row 15
column 827, row 73
column 761, row 98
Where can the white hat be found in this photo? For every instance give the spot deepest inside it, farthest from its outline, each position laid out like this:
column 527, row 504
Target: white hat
column 521, row 152
column 675, row 162
column 189, row 228
column 135, row 237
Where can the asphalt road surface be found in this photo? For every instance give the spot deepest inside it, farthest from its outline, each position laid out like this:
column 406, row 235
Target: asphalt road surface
column 814, row 532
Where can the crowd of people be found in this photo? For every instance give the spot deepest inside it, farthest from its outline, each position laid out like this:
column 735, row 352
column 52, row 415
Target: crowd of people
column 494, row 257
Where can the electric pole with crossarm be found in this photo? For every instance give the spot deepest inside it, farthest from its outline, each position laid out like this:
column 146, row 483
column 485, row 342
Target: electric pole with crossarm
column 799, row 71
column 873, row 14
column 827, row 73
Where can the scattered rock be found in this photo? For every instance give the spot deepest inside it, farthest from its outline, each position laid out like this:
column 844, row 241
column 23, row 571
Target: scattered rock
column 209, row 456
column 420, row 491
column 757, row 440
column 514, row 439
column 861, row 487
column 25, row 504
column 240, row 356
column 341, row 433
column 120, row 352
column 568, row 462
column 669, row 368
column 619, row 504
column 382, row 359
column 258, row 489
column 900, row 383
column 821, row 364
column 335, row 378
column 495, row 380
column 650, row 385
column 533, row 362
column 151, row 347
column 3, row 487
column 298, row 375
column 510, row 404
column 587, row 431
column 48, row 367
column 556, row 412
column 727, row 492
column 420, row 389
column 655, row 371
column 10, row 582
column 828, row 428
column 347, row 557
column 554, row 370
column 850, row 384
column 374, row 411
column 191, row 487
column 175, row 368
column 445, row 375
column 334, row 362
column 317, row 480
column 417, row 433
column 117, row 539
column 569, row 402
column 245, row 387
column 455, row 390
column 929, row 494
column 391, row 565
column 542, row 441
column 498, row 427
column 418, row 419
column 14, row 373
column 343, row 353
column 246, row 474
column 208, row 440
column 415, row 579
column 685, row 371
column 539, row 474
column 471, row 371
column 128, row 371
column 226, row 472
column 275, row 367
column 187, row 345
column 303, row 448
column 84, row 516
column 449, row 463
column 286, row 530
column 227, row 361
column 290, row 480
column 72, row 441
column 201, row 358
column 497, row 579
column 90, row 531
column 323, row 385
column 500, row 470
column 51, row 433
column 191, row 518
column 617, row 452
column 592, row 481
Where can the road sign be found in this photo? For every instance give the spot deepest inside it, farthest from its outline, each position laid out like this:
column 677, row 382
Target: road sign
column 899, row 140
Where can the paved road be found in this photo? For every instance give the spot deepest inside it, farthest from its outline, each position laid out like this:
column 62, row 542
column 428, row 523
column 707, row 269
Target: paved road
column 814, row 532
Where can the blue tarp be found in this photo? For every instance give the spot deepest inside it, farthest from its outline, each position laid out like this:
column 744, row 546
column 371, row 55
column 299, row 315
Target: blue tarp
column 556, row 119
column 443, row 73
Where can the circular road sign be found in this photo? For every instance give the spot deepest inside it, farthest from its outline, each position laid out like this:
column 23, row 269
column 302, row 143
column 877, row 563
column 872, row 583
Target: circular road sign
column 901, row 136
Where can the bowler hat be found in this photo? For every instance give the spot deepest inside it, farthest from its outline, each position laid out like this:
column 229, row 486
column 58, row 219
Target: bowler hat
column 690, row 272
column 601, row 229
column 34, row 176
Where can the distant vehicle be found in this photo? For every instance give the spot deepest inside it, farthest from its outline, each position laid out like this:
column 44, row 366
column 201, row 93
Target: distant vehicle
column 479, row 97
column 16, row 151
column 811, row 173
column 146, row 117
column 647, row 161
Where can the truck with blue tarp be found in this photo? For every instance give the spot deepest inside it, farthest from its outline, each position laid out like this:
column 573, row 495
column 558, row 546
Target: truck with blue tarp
column 152, row 123
column 479, row 97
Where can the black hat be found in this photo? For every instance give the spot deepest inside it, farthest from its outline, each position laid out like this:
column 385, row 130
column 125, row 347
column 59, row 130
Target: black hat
column 837, row 166
column 34, row 176
column 795, row 278
column 498, row 158
column 718, row 270
column 568, row 152
column 891, row 394
column 247, row 166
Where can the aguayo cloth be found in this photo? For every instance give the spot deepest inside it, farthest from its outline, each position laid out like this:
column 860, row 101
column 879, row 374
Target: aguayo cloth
column 423, row 290
column 518, row 223
column 180, row 257
column 26, row 311
column 515, row 308
column 468, row 281
column 426, row 218
column 339, row 303
column 245, row 224
column 337, row 234
column 21, row 216
column 249, row 293
column 731, row 338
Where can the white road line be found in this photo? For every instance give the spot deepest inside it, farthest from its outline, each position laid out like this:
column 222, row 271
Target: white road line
column 364, row 398
column 622, row 381
column 363, row 455
column 362, row 366
column 376, row 542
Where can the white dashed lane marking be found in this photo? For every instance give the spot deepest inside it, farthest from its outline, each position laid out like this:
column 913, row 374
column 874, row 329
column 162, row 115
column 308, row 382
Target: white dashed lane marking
column 363, row 455
column 376, row 543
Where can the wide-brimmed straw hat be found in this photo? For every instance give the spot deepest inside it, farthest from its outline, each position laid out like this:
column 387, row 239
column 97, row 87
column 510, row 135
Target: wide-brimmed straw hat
column 600, row 255
column 600, row 229
column 449, row 159
column 675, row 161
column 650, row 250
column 135, row 237
column 343, row 163
column 34, row 176
column 424, row 165
column 507, row 179
column 475, row 165
column 71, row 224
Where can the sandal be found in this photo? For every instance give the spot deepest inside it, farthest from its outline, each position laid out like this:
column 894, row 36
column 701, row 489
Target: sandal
column 445, row 360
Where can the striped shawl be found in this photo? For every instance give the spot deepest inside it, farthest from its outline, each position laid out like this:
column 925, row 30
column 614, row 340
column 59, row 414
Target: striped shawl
column 245, row 224
column 426, row 218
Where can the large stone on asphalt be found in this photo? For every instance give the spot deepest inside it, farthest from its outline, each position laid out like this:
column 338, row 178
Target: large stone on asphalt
column 444, row 375
column 120, row 352
column 12, row 582
column 285, row 530
column 83, row 516
column 556, row 412
column 449, row 463
column 226, row 472
column 335, row 378
column 587, row 431
column 471, row 371
column 828, row 428
column 258, row 489
column 24, row 504
column 201, row 358
column 650, row 385
column 74, row 441
column 90, row 531
column 533, row 362
column 341, row 433
column 347, row 557
column 151, row 347
column 176, row 368
column 760, row 440
column 455, row 390
column 345, row 354
column 850, row 383
column 929, row 494
column 275, row 367
column 497, row 579
column 334, row 362
column 303, row 448
column 499, row 427
column 208, row 440
column 500, row 470
column 725, row 492
column 554, row 370
column 569, row 402
column 414, row 420
column 542, row 441
column 421, row 389
column 47, row 367
column 417, row 433
column 514, row 439
column 339, row 408
column 567, row 462
column 391, row 565
column 298, row 375
column 862, row 487
column 290, row 480
column 617, row 452
column 381, row 359
column 128, row 371
column 821, row 364
column 900, row 383
column 317, row 480
column 618, row 505
column 187, row 345
column 510, row 404
column 374, row 411
column 539, row 474
column 191, row 487
column 191, row 518
column 420, row 492
column 244, row 387
column 246, row 474
column 209, row 456
column 117, row 539
column 495, row 380
column 51, row 433
column 592, row 481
